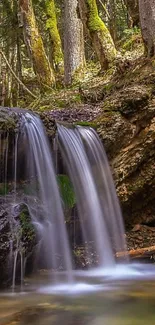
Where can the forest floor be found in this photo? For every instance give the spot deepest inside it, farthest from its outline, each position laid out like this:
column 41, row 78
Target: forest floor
column 83, row 101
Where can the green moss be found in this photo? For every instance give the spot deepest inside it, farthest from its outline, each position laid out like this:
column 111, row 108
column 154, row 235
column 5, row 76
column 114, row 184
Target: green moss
column 28, row 233
column 41, row 64
column 108, row 87
column 132, row 43
column 36, row 48
column 94, row 22
column 66, row 191
column 89, row 124
column 51, row 25
column 102, row 40
column 3, row 189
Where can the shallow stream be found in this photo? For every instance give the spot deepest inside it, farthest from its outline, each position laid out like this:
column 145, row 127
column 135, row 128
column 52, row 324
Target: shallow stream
column 124, row 296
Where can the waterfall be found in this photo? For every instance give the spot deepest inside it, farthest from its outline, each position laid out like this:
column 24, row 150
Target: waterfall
column 48, row 218
column 26, row 158
column 98, row 207
column 31, row 165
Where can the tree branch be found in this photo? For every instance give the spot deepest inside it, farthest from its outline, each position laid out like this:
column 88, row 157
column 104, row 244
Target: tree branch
column 105, row 9
column 137, row 253
column 15, row 76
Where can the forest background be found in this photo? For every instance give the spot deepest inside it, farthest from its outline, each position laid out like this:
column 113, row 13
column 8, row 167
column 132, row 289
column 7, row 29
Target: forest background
column 51, row 46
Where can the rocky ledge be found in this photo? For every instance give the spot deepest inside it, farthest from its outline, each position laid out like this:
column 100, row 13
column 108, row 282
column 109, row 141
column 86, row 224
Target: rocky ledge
column 125, row 122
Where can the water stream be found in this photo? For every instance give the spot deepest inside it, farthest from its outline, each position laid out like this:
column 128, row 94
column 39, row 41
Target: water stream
column 110, row 294
column 96, row 198
column 49, row 218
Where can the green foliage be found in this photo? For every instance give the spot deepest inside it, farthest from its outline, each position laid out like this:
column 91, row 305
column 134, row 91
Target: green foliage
column 84, row 123
column 131, row 37
column 66, row 191
column 95, row 23
column 28, row 233
column 51, row 25
column 3, row 189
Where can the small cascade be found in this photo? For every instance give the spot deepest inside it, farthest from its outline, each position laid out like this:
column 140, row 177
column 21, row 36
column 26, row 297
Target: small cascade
column 28, row 178
column 105, row 187
column 97, row 203
column 45, row 209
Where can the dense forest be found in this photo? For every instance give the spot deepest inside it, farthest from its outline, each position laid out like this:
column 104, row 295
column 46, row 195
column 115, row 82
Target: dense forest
column 49, row 45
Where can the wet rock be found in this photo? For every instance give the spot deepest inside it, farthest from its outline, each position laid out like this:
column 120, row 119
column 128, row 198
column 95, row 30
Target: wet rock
column 144, row 237
column 16, row 234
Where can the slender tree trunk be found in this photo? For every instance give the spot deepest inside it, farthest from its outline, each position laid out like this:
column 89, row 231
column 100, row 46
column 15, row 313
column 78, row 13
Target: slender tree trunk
column 34, row 43
column 74, row 58
column 112, row 20
column 100, row 36
column 133, row 11
column 51, row 25
column 147, row 21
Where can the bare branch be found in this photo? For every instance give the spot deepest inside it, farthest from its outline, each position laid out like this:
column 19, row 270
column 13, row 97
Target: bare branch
column 15, row 76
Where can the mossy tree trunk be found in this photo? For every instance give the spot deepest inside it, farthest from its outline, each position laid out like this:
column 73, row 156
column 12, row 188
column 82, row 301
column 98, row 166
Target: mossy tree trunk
column 51, row 25
column 34, row 43
column 100, row 36
column 147, row 21
column 74, row 58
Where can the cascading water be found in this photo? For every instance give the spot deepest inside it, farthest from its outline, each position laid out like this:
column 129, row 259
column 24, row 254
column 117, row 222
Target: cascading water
column 88, row 168
column 48, row 219
column 32, row 165
column 97, row 202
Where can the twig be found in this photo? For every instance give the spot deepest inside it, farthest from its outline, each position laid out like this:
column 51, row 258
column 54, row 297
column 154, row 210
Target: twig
column 15, row 76
column 105, row 9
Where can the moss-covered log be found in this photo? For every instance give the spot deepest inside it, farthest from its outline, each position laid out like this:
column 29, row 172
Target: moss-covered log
column 34, row 43
column 51, row 25
column 99, row 34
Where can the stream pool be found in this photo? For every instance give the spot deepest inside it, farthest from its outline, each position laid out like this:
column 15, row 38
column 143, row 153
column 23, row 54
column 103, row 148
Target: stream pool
column 122, row 296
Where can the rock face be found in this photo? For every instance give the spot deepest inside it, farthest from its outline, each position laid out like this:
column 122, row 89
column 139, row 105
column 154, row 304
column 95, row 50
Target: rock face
column 17, row 236
column 125, row 122
column 127, row 129
column 16, row 231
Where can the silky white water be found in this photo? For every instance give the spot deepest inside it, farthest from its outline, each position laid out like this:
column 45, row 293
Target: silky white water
column 48, row 219
column 96, row 198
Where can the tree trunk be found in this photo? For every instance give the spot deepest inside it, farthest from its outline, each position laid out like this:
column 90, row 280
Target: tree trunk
column 99, row 34
column 133, row 10
column 147, row 21
column 34, row 43
column 112, row 20
column 74, row 58
column 51, row 25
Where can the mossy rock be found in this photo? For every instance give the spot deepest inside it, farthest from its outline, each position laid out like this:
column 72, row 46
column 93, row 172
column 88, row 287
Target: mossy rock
column 135, row 176
column 128, row 101
column 114, row 130
column 14, row 230
column 8, row 119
